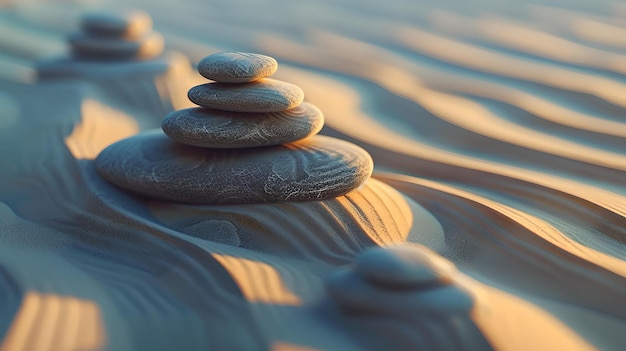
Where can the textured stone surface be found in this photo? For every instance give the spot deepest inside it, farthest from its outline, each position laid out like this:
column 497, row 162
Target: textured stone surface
column 316, row 168
column 226, row 129
column 401, row 267
column 116, row 24
column 84, row 46
column 237, row 67
column 265, row 95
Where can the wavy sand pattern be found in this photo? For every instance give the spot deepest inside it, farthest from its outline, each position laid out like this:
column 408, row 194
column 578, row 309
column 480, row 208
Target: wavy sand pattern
column 498, row 134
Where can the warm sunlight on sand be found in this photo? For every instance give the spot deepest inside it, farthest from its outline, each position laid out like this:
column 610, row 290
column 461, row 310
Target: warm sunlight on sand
column 60, row 323
column 348, row 114
column 176, row 81
column 100, row 126
column 546, row 231
column 283, row 346
column 258, row 281
column 581, row 25
column 497, row 63
column 509, row 331
column 525, row 37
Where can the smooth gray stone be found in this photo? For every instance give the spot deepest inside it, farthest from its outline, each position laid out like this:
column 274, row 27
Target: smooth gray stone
column 154, row 165
column 205, row 127
column 435, row 317
column 84, row 46
column 264, row 95
column 116, row 24
column 402, row 267
column 356, row 294
column 237, row 67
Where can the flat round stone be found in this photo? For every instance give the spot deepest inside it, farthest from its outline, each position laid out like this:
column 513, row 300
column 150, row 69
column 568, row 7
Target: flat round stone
column 84, row 46
column 237, row 67
column 205, row 127
column 152, row 164
column 403, row 267
column 116, row 24
column 264, row 95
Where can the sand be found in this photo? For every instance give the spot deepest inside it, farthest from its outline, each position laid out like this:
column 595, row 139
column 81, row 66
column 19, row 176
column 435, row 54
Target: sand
column 497, row 132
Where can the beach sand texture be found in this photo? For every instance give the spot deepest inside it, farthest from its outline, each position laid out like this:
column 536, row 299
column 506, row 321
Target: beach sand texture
column 495, row 217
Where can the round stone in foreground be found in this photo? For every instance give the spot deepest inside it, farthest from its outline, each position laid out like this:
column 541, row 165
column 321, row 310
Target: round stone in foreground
column 316, row 168
column 265, row 95
column 205, row 127
column 116, row 24
column 237, row 67
column 403, row 267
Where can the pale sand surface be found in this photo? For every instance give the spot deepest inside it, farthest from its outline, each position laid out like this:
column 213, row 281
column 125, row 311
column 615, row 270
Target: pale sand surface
column 500, row 125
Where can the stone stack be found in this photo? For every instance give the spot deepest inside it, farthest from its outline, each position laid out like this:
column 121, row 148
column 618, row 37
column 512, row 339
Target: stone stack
column 113, row 45
column 120, row 36
column 243, row 108
column 253, row 140
column 119, row 54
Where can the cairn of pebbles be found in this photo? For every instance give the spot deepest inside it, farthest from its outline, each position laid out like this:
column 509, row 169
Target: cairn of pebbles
column 118, row 53
column 112, row 44
column 122, row 36
column 252, row 140
column 243, row 108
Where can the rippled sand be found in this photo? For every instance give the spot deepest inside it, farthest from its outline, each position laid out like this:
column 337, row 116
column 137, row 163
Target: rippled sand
column 502, row 123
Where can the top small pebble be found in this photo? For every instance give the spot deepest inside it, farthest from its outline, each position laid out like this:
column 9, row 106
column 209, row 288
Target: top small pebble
column 237, row 67
column 117, row 24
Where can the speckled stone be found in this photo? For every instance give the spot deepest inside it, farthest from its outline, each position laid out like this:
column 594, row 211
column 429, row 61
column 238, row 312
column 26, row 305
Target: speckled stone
column 402, row 266
column 116, row 24
column 226, row 129
column 265, row 95
column 152, row 164
column 84, row 46
column 237, row 67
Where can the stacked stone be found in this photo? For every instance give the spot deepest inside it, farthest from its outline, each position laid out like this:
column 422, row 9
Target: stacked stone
column 242, row 107
column 116, row 35
column 117, row 51
column 252, row 140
